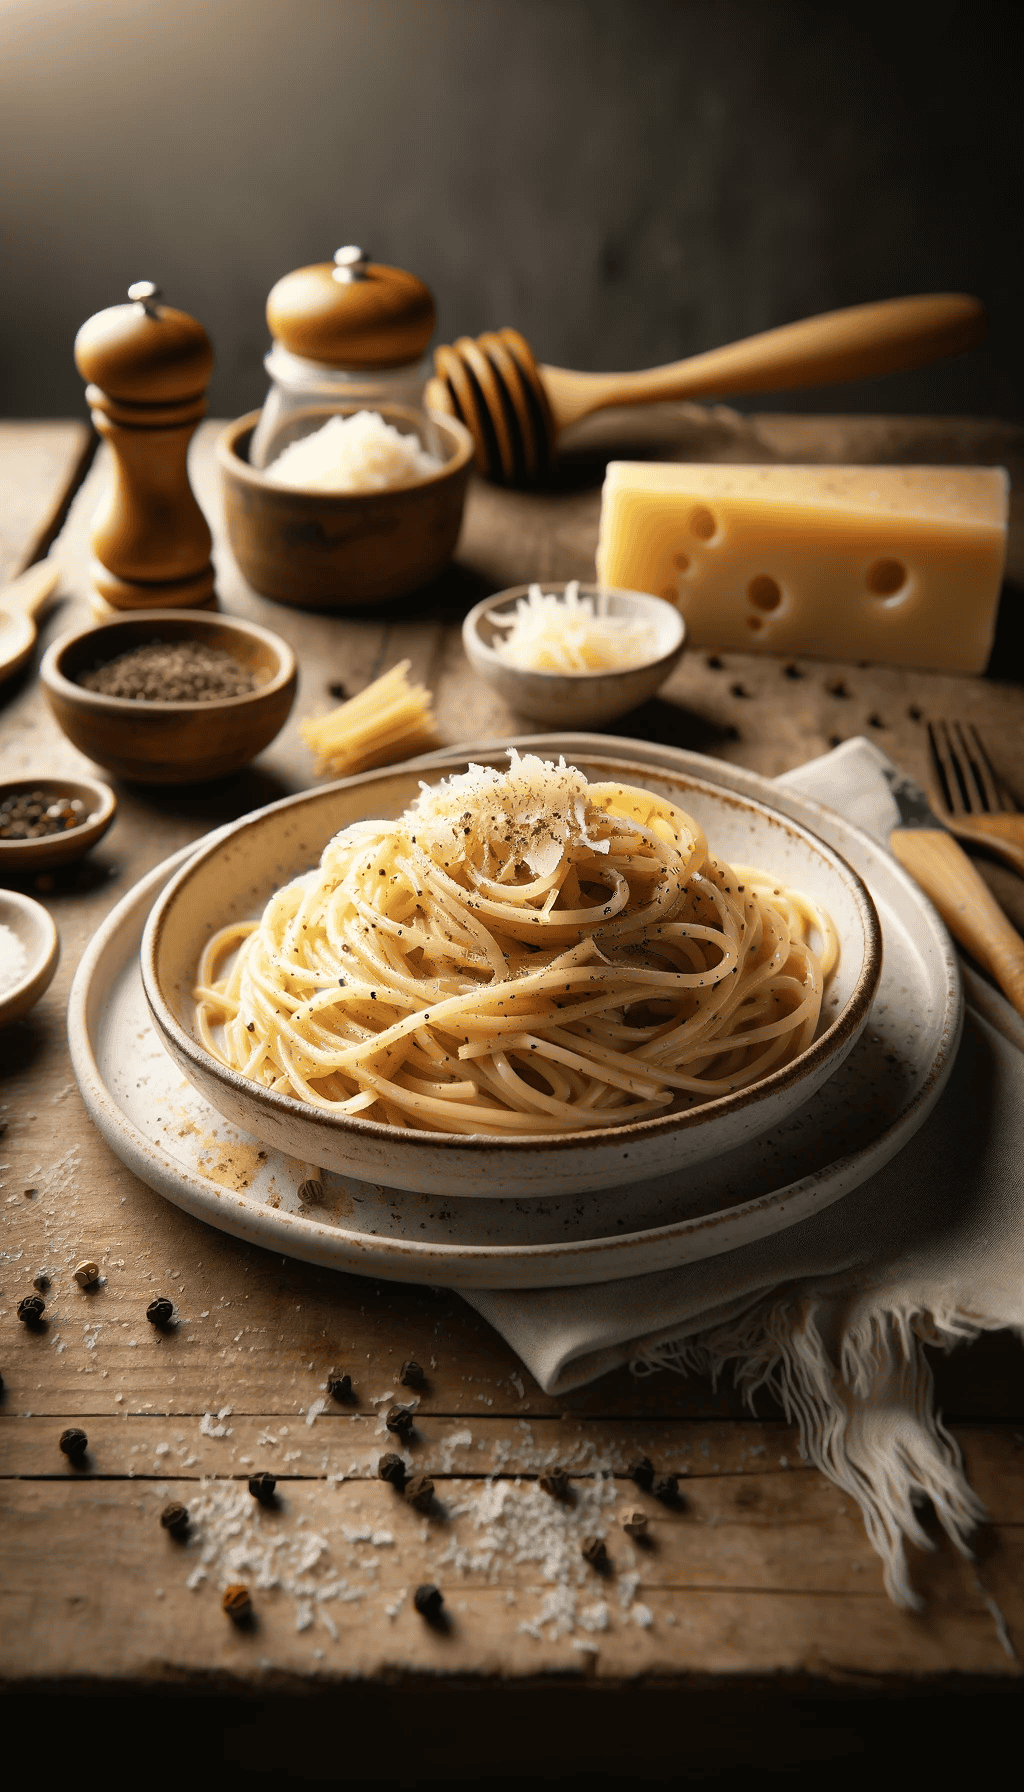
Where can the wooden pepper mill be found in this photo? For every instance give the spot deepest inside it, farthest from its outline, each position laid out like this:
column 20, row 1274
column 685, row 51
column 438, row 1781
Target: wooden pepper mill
column 148, row 368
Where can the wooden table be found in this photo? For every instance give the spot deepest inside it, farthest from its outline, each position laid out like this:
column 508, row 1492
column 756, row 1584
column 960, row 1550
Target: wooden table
column 764, row 1589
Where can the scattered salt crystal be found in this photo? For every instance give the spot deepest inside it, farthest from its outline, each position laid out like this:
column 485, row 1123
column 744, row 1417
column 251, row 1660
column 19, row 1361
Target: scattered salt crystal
column 449, row 1447
column 642, row 1615
column 594, row 1617
column 628, row 1584
column 585, row 1647
column 209, row 1429
column 313, row 1412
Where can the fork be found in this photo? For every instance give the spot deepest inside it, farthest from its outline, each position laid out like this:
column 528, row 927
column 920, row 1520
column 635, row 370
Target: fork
column 974, row 804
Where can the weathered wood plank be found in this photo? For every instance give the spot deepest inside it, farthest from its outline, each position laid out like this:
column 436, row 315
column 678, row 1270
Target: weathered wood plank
column 346, row 1445
column 719, row 1598
column 39, row 464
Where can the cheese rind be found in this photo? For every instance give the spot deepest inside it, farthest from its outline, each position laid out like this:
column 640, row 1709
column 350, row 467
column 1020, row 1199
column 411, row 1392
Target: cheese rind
column 897, row 564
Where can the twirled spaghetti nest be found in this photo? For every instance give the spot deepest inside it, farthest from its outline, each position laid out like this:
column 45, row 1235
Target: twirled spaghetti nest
column 519, row 953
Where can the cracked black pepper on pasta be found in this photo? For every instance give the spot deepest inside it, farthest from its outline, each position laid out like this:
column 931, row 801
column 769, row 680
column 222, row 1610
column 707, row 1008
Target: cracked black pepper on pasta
column 520, row 953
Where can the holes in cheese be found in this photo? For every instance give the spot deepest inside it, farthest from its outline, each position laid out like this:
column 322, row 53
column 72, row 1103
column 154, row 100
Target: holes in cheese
column 886, row 578
column 897, row 564
column 764, row 592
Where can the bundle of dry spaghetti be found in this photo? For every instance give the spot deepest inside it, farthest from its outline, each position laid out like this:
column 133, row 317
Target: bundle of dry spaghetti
column 388, row 721
column 519, row 953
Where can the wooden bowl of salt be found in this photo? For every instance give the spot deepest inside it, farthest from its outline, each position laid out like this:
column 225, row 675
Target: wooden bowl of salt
column 320, row 549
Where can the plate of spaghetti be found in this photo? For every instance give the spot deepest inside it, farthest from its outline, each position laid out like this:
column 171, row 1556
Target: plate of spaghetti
column 522, row 978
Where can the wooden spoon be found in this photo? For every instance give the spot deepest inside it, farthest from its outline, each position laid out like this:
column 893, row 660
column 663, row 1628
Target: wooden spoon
column 20, row 604
column 516, row 408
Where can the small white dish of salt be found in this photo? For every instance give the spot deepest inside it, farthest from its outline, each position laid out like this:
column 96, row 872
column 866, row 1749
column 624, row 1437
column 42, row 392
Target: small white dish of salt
column 29, row 954
column 573, row 654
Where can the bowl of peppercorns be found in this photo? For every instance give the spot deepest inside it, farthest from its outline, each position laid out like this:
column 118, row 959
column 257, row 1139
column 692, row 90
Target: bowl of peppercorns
column 47, row 821
column 171, row 696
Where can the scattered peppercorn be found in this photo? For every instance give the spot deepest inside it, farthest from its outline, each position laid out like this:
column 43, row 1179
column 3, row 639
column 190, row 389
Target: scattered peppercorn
column 337, row 691
column 411, row 1375
column 262, row 1486
column 420, row 1492
column 172, row 672
column 642, row 1472
column 340, row 1387
column 836, row 687
column 32, row 814
column 915, row 713
column 86, row 1273
column 714, row 662
column 31, row 1309
column 311, row 1190
column 174, row 1518
column 236, row 1602
column 666, row 1489
column 392, row 1468
column 791, row 671
column 835, row 740
column 595, row 1551
column 875, row 720
column 399, row 1421
column 555, row 1482
column 635, row 1523
column 738, row 690
column 160, row 1311
column 73, row 1443
column 428, row 1601
column 41, row 1281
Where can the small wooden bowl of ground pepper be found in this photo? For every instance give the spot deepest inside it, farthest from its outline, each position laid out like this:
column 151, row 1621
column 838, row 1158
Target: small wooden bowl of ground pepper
column 44, row 822
column 171, row 696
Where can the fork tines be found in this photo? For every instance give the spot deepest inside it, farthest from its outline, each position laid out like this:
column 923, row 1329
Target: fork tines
column 967, row 777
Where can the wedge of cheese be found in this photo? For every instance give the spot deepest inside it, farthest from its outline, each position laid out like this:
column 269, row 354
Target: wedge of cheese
column 898, row 564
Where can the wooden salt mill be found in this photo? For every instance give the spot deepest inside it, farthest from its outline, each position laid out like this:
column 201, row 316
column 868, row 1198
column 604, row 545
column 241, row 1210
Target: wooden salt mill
column 148, row 368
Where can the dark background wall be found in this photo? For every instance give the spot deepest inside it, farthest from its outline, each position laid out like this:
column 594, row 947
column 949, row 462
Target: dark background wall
column 627, row 181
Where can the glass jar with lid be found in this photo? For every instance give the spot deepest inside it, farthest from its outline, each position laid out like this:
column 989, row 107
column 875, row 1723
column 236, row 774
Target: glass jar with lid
column 350, row 333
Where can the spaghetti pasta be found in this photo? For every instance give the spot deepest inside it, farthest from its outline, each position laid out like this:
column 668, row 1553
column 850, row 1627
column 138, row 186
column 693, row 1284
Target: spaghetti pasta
column 388, row 721
column 520, row 953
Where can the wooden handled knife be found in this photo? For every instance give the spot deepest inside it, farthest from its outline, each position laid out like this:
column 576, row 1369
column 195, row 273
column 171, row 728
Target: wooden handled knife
column 939, row 864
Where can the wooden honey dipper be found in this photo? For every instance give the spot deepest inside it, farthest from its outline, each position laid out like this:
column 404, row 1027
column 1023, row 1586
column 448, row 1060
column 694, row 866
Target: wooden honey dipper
column 516, row 409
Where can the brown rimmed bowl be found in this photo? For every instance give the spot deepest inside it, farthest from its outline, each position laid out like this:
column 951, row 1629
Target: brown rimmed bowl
column 170, row 743
column 338, row 550
column 234, row 876
column 18, row 856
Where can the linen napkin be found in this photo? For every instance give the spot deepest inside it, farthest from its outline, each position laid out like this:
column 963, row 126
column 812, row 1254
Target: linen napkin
column 832, row 1315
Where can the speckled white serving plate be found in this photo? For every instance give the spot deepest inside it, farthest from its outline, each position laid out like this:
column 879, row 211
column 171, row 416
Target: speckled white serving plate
column 165, row 1131
column 234, row 877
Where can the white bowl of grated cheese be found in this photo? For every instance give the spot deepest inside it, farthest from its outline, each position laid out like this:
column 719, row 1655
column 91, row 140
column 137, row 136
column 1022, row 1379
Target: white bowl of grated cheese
column 573, row 654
